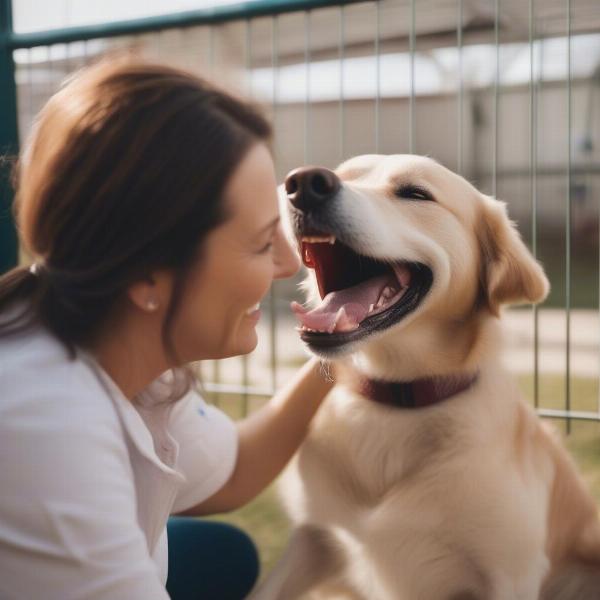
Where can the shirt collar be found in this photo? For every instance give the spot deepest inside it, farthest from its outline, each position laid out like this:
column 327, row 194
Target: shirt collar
column 131, row 419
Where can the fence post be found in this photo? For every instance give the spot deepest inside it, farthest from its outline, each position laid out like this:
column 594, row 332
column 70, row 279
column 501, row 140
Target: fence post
column 9, row 141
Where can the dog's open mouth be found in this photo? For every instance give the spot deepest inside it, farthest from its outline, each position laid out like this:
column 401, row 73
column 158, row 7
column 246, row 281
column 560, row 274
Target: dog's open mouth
column 360, row 295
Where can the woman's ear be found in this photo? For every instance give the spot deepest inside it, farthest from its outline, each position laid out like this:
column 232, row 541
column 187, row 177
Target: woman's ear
column 151, row 293
column 509, row 273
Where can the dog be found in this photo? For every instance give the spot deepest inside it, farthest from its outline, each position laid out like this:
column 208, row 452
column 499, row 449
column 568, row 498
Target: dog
column 425, row 475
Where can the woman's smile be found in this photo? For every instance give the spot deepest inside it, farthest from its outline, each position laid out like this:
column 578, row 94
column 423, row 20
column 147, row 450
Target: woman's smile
column 254, row 312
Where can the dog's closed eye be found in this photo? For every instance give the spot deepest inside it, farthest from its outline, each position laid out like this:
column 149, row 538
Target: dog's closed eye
column 412, row 192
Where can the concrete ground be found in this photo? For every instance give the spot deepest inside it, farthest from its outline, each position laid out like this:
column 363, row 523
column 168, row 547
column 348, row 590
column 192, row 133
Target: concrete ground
column 552, row 344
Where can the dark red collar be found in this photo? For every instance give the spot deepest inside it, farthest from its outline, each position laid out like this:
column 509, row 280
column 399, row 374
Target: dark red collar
column 418, row 393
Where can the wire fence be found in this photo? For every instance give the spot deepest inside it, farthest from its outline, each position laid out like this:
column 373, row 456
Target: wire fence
column 503, row 92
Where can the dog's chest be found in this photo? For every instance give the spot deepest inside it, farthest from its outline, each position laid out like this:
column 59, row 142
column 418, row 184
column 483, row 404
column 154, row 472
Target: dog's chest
column 359, row 452
column 424, row 482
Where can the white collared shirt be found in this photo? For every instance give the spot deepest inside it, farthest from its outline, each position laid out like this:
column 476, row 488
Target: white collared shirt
column 89, row 478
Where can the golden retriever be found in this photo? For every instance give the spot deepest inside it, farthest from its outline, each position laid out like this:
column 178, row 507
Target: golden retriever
column 425, row 475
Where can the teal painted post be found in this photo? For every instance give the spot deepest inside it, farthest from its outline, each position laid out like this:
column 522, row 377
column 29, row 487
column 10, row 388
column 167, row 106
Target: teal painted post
column 9, row 141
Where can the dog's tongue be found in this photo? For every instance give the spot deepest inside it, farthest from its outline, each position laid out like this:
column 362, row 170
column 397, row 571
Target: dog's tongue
column 345, row 309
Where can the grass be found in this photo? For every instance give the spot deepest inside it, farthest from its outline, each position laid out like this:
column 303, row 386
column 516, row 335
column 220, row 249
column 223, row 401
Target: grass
column 266, row 522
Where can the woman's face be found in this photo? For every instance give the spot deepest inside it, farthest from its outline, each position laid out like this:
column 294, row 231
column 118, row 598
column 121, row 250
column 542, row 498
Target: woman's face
column 237, row 265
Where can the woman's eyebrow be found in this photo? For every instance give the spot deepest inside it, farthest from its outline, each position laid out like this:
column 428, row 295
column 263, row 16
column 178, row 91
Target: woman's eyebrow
column 274, row 222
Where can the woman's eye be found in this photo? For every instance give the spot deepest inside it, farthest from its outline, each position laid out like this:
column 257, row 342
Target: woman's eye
column 413, row 192
column 266, row 248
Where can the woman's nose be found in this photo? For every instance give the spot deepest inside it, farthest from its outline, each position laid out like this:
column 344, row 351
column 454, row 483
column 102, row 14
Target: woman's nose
column 287, row 261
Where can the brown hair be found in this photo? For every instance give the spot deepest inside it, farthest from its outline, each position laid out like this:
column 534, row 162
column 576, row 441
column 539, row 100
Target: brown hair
column 123, row 174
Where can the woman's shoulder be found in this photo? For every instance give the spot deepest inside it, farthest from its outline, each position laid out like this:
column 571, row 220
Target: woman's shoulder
column 39, row 378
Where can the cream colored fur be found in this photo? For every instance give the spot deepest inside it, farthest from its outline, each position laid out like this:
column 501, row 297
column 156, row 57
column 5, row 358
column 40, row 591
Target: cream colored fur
column 470, row 499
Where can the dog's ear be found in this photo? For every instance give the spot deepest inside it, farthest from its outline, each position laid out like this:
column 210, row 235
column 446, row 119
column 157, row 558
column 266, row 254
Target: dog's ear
column 509, row 273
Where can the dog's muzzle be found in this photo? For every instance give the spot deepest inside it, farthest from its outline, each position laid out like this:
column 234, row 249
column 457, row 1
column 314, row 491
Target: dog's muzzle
column 309, row 188
column 360, row 295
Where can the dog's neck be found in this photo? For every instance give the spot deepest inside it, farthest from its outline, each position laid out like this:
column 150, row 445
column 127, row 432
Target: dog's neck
column 415, row 394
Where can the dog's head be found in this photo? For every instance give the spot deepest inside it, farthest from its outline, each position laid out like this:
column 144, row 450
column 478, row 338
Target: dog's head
column 403, row 253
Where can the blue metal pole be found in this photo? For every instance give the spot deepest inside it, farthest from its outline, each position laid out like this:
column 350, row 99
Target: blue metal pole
column 205, row 16
column 9, row 141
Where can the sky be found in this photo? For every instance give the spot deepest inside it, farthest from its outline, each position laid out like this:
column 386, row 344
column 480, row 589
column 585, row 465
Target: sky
column 37, row 15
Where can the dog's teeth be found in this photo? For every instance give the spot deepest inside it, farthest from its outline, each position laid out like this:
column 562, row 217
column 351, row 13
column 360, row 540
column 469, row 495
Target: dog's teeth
column 402, row 275
column 298, row 308
column 341, row 314
column 371, row 307
column 319, row 239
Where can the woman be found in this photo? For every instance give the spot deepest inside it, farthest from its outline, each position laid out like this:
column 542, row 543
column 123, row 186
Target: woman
column 148, row 199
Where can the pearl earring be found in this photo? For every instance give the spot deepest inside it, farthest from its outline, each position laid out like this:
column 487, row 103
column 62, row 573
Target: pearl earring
column 151, row 304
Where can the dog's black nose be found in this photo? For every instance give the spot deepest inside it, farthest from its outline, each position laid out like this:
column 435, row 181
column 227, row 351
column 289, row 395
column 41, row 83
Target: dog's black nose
column 309, row 187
